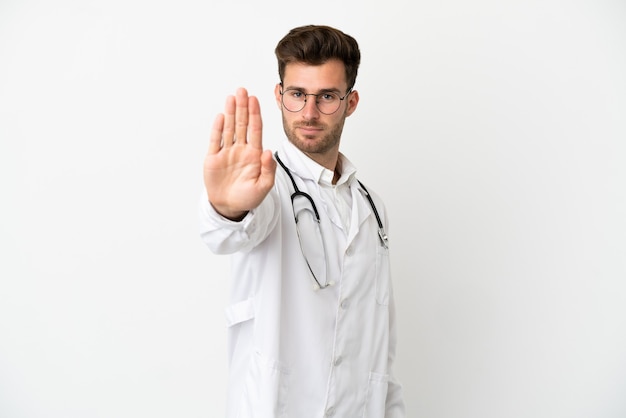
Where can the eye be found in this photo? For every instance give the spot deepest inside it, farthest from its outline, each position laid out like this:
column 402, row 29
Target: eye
column 296, row 94
column 328, row 97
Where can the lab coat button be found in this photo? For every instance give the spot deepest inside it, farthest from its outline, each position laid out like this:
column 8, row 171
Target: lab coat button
column 349, row 251
column 338, row 361
column 344, row 304
column 330, row 412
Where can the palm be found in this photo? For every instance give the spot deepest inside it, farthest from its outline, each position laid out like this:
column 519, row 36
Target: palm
column 234, row 175
column 238, row 174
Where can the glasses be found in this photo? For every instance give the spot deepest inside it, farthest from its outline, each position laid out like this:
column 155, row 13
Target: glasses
column 327, row 103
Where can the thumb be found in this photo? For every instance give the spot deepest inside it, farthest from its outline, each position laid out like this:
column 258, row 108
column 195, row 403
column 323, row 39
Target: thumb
column 268, row 169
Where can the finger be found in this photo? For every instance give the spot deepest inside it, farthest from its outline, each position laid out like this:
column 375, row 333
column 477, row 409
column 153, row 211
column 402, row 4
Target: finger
column 255, row 125
column 228, row 133
column 215, row 140
column 268, row 170
column 241, row 116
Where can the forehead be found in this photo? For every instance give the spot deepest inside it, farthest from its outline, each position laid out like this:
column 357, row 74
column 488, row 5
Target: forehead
column 330, row 75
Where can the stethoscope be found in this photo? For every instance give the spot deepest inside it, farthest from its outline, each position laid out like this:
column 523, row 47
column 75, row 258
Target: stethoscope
column 384, row 240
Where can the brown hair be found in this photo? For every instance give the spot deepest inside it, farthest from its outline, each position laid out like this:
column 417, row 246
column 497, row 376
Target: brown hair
column 314, row 45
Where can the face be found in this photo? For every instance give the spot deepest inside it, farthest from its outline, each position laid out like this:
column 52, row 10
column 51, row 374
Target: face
column 315, row 133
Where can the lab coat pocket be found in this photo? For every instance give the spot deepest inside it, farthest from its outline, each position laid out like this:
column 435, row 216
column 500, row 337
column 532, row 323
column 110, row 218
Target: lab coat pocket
column 382, row 275
column 239, row 312
column 265, row 391
column 376, row 395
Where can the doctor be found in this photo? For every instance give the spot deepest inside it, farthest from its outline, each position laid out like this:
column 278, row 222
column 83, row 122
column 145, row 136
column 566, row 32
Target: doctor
column 311, row 319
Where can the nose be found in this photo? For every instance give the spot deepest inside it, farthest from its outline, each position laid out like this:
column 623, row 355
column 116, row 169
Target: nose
column 310, row 110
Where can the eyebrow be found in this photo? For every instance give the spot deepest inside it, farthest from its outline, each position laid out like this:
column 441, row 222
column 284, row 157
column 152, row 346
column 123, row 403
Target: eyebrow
column 320, row 91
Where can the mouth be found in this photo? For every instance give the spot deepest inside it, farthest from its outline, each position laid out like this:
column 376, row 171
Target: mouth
column 309, row 130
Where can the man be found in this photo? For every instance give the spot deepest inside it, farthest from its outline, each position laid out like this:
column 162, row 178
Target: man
column 312, row 328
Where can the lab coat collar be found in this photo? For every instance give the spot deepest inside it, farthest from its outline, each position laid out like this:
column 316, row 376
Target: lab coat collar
column 307, row 169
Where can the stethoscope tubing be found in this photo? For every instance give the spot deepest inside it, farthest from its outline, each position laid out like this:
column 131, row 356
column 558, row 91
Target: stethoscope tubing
column 297, row 192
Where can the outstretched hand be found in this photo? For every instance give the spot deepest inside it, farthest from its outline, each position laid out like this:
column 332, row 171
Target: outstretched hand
column 238, row 174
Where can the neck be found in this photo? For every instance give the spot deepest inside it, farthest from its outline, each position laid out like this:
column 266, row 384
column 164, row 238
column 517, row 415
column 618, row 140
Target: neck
column 337, row 171
column 329, row 161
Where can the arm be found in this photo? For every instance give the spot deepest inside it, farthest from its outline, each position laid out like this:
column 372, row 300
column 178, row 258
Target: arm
column 237, row 210
column 225, row 236
column 394, row 407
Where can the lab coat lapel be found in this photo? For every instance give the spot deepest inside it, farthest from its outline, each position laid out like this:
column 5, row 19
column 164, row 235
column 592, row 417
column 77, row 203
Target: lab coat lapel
column 361, row 210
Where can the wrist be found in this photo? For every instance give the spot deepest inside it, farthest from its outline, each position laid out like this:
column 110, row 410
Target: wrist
column 235, row 216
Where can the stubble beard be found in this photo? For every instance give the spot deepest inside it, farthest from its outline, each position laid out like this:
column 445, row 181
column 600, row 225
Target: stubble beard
column 320, row 146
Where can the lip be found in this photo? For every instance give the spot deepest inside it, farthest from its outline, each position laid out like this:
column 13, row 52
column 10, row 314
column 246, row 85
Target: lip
column 309, row 130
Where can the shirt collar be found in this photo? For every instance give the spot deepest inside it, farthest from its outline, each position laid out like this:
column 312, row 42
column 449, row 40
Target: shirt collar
column 309, row 169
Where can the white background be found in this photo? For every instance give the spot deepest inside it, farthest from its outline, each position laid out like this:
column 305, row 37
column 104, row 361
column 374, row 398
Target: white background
column 495, row 131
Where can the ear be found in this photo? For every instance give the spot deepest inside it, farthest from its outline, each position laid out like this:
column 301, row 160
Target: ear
column 353, row 101
column 279, row 98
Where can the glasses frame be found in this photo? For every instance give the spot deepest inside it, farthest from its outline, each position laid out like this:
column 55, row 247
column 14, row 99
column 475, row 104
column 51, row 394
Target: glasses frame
column 317, row 104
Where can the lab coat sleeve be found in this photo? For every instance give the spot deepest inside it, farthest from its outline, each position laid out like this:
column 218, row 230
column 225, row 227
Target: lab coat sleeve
column 224, row 236
column 394, row 406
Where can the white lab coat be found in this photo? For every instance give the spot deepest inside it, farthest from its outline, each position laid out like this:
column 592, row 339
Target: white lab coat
column 296, row 352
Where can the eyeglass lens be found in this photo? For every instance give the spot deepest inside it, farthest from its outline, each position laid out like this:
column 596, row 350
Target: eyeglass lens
column 327, row 103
